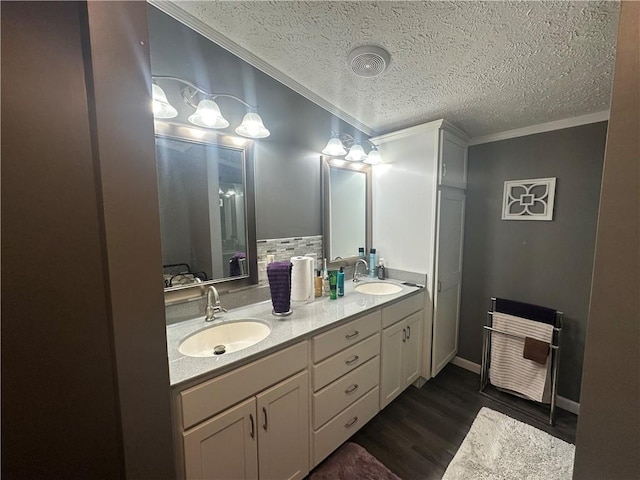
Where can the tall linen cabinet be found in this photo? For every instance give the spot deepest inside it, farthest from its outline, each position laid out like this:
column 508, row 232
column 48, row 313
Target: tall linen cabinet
column 418, row 224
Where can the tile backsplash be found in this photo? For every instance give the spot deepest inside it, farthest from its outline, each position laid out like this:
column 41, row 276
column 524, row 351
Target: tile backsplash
column 285, row 248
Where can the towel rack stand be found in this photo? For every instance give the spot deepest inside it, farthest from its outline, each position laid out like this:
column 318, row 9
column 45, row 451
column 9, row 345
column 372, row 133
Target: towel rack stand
column 487, row 333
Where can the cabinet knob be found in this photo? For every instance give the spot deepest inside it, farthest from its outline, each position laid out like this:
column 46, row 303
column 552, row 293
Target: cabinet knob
column 264, row 425
column 351, row 335
column 351, row 422
column 352, row 360
column 351, row 389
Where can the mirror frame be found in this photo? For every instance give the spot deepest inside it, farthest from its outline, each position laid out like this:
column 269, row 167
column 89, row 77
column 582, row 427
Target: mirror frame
column 200, row 136
column 327, row 164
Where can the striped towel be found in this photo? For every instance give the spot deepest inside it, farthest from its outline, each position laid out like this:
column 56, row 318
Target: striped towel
column 509, row 370
column 279, row 274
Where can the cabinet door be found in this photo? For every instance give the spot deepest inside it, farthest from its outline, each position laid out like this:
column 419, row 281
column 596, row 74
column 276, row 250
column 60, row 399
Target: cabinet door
column 283, row 429
column 453, row 161
column 224, row 447
column 412, row 349
column 391, row 378
column 448, row 277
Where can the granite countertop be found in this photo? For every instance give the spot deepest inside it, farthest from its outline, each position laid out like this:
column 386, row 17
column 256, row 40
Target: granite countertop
column 305, row 321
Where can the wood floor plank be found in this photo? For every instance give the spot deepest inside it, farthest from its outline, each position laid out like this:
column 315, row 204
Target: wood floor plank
column 418, row 434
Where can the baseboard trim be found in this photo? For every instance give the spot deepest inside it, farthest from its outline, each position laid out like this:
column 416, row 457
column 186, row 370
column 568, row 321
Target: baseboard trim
column 467, row 365
column 562, row 402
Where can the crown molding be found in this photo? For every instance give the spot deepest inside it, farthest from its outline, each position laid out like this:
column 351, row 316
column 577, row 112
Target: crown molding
column 173, row 10
column 602, row 116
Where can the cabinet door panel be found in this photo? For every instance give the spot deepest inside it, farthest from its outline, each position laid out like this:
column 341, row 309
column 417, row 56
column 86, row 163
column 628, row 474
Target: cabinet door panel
column 224, row 448
column 451, row 205
column 391, row 380
column 412, row 354
column 283, row 427
column 453, row 161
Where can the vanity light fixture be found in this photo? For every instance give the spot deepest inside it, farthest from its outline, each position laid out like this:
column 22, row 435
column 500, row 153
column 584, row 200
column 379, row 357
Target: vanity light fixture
column 339, row 143
column 207, row 112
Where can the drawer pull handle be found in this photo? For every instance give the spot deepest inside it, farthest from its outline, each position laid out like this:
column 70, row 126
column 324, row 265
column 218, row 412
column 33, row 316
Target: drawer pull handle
column 408, row 332
column 264, row 425
column 404, row 335
column 352, row 360
column 351, row 335
column 351, row 389
column 351, row 422
column 253, row 427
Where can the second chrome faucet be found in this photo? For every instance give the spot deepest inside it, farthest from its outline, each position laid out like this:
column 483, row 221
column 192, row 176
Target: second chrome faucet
column 213, row 304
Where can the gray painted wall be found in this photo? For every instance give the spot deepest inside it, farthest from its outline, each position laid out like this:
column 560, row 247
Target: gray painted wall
column 545, row 263
column 287, row 164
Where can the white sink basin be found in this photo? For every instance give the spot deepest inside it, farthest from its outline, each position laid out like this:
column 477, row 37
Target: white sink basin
column 378, row 288
column 224, row 338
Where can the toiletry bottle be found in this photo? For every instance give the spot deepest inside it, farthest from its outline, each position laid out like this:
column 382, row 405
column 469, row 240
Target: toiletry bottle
column 361, row 252
column 325, row 279
column 333, row 284
column 318, row 284
column 372, row 263
column 341, row 282
column 382, row 274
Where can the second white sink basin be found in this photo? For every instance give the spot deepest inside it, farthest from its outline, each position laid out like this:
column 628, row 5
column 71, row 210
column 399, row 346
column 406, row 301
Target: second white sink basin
column 224, row 338
column 378, row 288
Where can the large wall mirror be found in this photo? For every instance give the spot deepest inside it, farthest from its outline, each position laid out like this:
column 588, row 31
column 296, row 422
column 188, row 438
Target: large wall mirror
column 206, row 212
column 346, row 190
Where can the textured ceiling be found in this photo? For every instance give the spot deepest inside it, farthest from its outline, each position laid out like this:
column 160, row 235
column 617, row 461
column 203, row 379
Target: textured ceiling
column 485, row 66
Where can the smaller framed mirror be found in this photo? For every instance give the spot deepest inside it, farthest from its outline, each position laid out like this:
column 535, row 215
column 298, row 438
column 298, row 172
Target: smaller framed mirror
column 347, row 207
column 207, row 209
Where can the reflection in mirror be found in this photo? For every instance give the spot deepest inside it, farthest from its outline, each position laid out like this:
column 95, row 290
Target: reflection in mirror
column 347, row 208
column 202, row 199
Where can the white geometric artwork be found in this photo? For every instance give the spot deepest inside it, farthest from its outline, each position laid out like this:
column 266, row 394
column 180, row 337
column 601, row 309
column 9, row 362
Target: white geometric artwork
column 530, row 199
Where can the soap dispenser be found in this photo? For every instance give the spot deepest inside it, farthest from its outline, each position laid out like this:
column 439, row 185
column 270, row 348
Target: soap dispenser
column 372, row 263
column 382, row 274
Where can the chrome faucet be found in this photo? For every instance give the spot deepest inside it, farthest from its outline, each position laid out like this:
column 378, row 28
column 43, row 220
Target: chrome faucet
column 213, row 304
column 356, row 275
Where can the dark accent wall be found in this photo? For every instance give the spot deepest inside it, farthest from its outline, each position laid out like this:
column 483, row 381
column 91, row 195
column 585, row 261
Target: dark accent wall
column 608, row 437
column 547, row 263
column 85, row 384
column 287, row 164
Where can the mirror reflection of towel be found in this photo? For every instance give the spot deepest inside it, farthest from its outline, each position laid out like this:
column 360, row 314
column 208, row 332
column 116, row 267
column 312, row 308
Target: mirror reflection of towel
column 234, row 264
column 279, row 274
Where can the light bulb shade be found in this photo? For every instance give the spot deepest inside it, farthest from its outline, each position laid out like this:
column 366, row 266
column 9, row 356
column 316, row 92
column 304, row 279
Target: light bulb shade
column 334, row 147
column 252, row 127
column 208, row 115
column 356, row 153
column 161, row 106
column 374, row 157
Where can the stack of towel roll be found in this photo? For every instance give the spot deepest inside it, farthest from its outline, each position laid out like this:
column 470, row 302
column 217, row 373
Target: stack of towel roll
column 279, row 275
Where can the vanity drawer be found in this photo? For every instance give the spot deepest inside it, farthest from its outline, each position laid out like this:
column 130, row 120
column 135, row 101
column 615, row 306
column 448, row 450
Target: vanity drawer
column 334, row 367
column 396, row 312
column 208, row 398
column 333, row 341
column 335, row 397
column 334, row 433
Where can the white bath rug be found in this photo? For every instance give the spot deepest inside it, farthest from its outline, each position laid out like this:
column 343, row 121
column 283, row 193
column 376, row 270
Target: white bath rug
column 498, row 447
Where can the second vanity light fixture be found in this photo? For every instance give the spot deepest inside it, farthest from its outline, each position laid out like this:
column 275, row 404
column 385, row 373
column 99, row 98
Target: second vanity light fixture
column 339, row 143
column 207, row 112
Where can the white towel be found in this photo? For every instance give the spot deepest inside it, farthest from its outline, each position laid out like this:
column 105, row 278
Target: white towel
column 509, row 370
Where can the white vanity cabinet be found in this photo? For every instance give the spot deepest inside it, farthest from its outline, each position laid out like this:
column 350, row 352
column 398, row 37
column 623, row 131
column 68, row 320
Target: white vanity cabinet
column 346, row 374
column 264, row 436
column 401, row 347
column 418, row 224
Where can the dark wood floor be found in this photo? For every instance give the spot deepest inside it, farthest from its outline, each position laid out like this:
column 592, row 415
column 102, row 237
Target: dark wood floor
column 417, row 435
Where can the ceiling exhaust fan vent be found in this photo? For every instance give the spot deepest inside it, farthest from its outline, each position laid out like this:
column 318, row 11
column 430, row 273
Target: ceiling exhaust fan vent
column 368, row 61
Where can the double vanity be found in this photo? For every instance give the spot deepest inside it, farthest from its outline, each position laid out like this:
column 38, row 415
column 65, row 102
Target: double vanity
column 288, row 391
